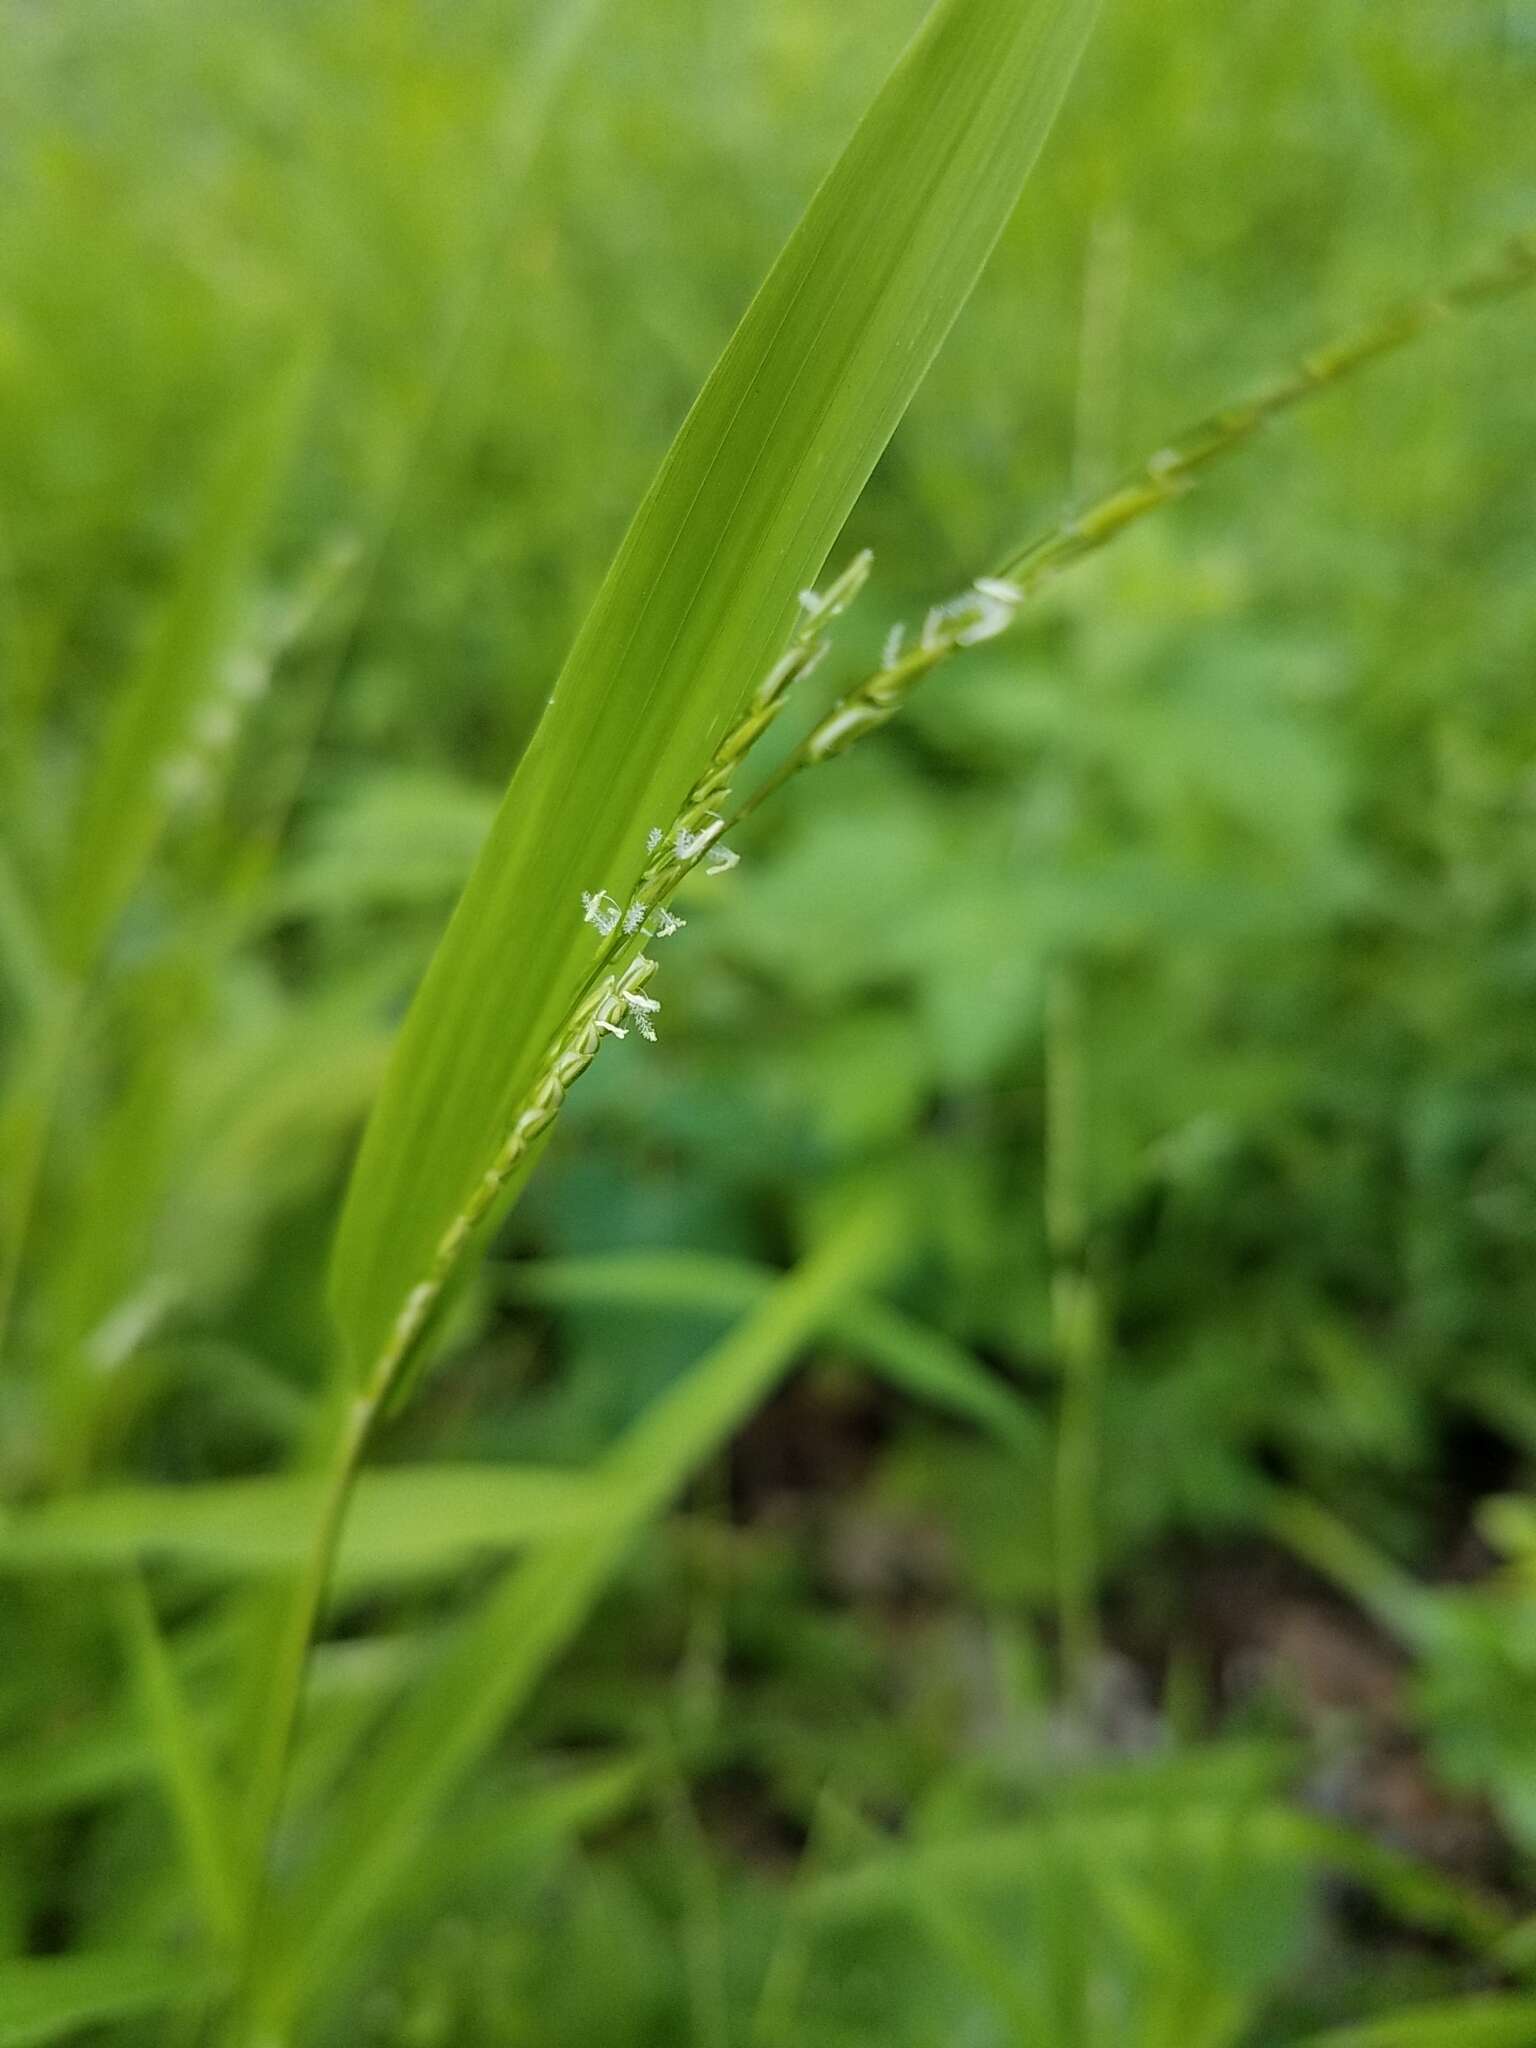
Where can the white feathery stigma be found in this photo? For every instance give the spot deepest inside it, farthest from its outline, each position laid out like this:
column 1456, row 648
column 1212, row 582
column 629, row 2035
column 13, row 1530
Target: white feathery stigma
column 689, row 844
column 642, row 1008
column 992, row 606
column 599, row 908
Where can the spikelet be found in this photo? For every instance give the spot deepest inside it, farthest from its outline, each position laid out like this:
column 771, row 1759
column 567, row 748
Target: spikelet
column 700, row 824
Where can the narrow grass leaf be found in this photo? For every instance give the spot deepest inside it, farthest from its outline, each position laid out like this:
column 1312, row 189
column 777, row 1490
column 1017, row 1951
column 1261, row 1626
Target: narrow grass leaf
column 84, row 1768
column 190, row 1785
column 50, row 1998
column 529, row 1824
column 24, row 966
column 906, row 1353
column 132, row 786
column 1491, row 2022
column 1359, row 1569
column 1000, row 1858
column 697, row 604
column 413, row 1523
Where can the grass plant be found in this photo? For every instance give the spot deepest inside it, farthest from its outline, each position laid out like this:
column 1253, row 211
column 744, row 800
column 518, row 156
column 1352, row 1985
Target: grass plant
column 311, row 1788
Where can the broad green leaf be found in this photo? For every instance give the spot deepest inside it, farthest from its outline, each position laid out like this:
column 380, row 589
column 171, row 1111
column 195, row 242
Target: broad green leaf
column 50, row 1998
column 412, row 1523
column 921, row 1361
column 698, row 602
column 486, row 1672
column 132, row 784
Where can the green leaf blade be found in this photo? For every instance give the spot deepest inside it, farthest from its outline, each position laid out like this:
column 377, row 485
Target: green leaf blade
column 125, row 803
column 49, row 1998
column 1488, row 2022
column 923, row 1362
column 410, row 1523
column 740, row 518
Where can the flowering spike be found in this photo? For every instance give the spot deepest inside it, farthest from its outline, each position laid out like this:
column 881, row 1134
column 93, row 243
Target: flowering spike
column 779, row 677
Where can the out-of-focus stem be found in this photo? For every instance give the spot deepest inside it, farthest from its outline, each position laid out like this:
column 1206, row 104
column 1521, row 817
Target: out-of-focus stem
column 1078, row 1318
column 1077, row 1326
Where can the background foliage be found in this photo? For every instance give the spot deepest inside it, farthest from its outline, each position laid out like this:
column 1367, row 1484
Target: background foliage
column 1179, row 949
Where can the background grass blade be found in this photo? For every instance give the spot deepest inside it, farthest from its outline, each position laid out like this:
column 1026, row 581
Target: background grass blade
column 695, row 608
column 52, row 1998
column 501, row 1653
column 131, row 787
column 190, row 1785
column 24, row 966
column 407, row 1524
column 1458, row 2023
column 81, row 1768
column 1121, row 1826
column 908, row 1354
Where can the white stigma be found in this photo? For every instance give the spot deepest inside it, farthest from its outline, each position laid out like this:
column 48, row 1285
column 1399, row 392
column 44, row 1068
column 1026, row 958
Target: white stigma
column 642, row 1008
column 690, row 843
column 599, row 908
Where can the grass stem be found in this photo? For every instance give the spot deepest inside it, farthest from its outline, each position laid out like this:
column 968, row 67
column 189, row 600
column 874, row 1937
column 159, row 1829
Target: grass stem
column 285, row 1696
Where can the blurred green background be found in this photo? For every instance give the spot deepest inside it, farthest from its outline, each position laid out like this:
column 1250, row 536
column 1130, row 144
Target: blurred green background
column 1181, row 948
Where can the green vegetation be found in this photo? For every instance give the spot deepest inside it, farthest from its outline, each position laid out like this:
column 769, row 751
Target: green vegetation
column 974, row 1495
